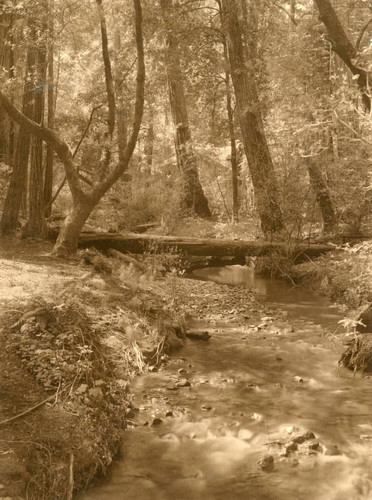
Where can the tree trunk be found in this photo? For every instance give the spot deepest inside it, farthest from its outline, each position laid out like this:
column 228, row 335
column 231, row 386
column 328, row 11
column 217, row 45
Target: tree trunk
column 233, row 150
column 148, row 148
column 323, row 197
column 36, row 225
column 255, row 145
column 18, row 183
column 48, row 177
column 68, row 238
column 193, row 198
column 343, row 47
column 6, row 62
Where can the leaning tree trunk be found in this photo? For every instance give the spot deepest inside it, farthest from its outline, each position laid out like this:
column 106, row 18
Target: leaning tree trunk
column 320, row 189
column 193, row 198
column 255, row 145
column 18, row 183
column 344, row 48
column 36, row 225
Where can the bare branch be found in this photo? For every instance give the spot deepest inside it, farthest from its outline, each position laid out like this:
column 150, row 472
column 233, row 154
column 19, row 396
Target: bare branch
column 51, row 138
column 352, row 129
column 285, row 10
column 360, row 37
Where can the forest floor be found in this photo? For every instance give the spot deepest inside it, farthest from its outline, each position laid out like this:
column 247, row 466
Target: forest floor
column 75, row 333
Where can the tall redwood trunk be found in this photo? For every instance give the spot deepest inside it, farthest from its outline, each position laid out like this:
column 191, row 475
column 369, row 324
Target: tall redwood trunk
column 36, row 225
column 255, row 145
column 18, row 182
column 193, row 198
column 6, row 62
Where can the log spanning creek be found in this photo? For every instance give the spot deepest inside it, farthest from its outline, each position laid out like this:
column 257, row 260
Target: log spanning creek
column 264, row 416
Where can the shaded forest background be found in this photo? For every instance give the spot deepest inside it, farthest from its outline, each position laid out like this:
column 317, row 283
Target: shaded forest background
column 250, row 111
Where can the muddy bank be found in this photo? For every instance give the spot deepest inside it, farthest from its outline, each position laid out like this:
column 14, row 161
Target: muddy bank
column 73, row 337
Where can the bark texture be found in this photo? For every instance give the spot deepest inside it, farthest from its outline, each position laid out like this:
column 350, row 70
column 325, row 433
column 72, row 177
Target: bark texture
column 230, row 117
column 6, row 62
column 194, row 199
column 343, row 46
column 18, row 182
column 36, row 225
column 323, row 197
column 251, row 123
column 138, row 244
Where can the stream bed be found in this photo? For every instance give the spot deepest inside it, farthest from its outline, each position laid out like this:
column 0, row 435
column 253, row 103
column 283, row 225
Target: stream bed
column 261, row 415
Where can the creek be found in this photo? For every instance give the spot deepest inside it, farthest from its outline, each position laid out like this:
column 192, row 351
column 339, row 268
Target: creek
column 251, row 396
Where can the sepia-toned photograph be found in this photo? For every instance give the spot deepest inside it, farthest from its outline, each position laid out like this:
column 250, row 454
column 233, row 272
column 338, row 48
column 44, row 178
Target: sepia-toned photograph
column 185, row 250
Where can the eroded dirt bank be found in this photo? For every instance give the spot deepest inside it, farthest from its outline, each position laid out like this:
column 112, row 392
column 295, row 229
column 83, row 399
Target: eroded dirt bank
column 73, row 336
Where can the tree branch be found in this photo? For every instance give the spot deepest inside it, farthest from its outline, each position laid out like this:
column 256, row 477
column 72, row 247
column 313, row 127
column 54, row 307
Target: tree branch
column 288, row 13
column 117, row 172
column 51, row 138
column 360, row 37
column 84, row 134
column 343, row 46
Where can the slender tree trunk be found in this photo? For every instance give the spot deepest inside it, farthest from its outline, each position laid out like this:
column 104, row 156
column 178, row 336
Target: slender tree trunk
column 18, row 183
column 36, row 225
column 121, row 118
column 233, row 153
column 148, row 148
column 233, row 150
column 48, row 177
column 193, row 199
column 322, row 194
column 255, row 145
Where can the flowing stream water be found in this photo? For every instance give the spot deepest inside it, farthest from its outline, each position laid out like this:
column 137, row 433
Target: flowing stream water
column 249, row 397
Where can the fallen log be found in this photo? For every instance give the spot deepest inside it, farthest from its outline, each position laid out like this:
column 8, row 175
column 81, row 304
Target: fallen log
column 138, row 244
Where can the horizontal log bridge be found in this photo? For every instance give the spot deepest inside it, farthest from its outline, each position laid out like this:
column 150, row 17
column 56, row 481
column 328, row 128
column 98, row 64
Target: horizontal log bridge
column 137, row 244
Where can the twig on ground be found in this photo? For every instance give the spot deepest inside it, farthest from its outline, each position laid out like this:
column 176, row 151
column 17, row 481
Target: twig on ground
column 71, row 478
column 27, row 411
column 28, row 442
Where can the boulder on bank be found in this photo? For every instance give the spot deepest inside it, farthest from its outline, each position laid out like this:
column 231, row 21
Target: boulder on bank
column 198, row 335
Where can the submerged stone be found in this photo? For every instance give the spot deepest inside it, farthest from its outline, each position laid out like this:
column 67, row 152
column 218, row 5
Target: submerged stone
column 266, row 463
